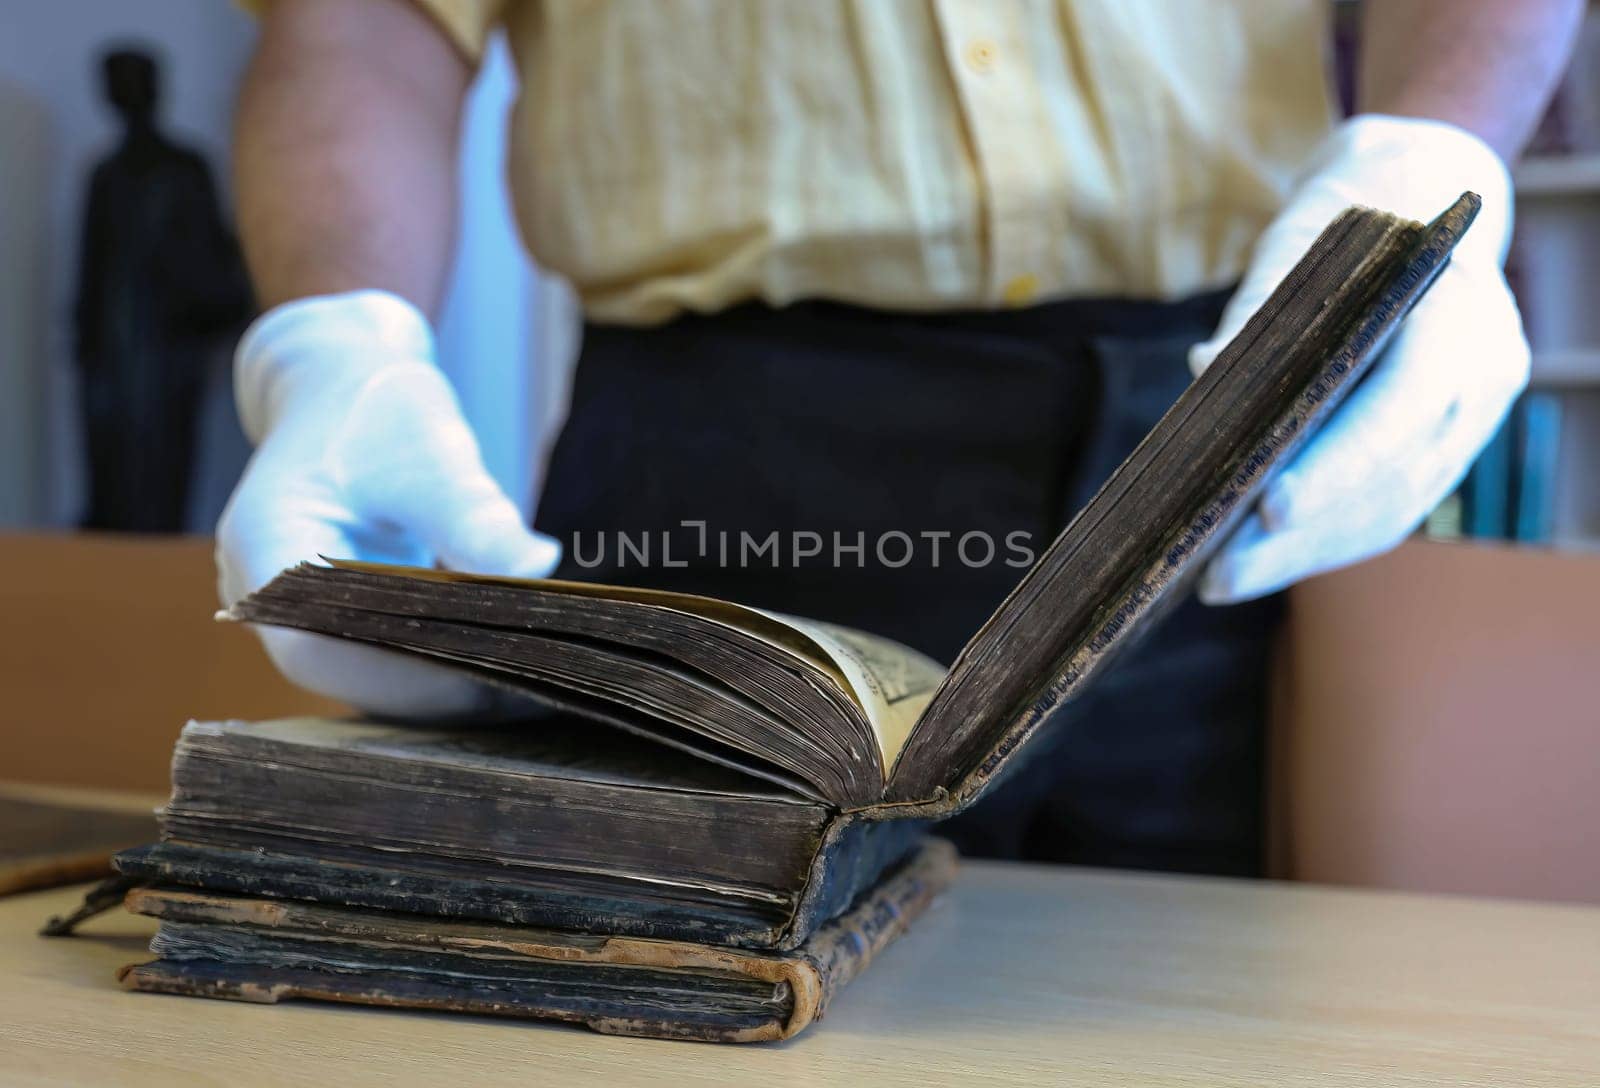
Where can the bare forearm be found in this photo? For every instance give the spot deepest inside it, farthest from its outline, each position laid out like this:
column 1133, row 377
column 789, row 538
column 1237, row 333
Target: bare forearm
column 345, row 151
column 1485, row 65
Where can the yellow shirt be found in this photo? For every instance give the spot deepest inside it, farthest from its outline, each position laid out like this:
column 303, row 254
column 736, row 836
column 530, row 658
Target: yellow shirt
column 690, row 154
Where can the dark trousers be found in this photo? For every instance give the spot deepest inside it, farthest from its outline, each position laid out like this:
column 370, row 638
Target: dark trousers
column 892, row 472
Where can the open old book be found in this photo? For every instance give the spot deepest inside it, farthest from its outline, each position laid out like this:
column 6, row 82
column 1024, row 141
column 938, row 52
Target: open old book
column 714, row 773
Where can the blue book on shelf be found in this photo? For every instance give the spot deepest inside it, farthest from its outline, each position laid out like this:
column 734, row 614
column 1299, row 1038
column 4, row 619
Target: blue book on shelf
column 1486, row 491
column 1538, row 450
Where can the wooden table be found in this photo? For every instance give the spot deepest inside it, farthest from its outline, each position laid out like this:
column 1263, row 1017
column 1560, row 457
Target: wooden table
column 1023, row 975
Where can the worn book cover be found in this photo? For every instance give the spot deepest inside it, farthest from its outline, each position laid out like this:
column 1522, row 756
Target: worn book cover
column 270, row 950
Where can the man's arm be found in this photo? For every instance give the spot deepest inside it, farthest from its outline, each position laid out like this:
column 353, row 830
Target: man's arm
column 1487, row 66
column 346, row 161
column 345, row 153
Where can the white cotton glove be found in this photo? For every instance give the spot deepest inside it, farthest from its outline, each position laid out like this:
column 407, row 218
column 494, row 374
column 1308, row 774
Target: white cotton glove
column 1406, row 436
column 362, row 453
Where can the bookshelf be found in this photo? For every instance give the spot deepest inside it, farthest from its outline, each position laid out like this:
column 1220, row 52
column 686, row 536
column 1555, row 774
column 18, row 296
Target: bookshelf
column 1555, row 176
column 1566, row 369
column 1550, row 447
column 1555, row 270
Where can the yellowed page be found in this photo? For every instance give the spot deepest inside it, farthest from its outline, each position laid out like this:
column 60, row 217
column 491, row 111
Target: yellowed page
column 891, row 682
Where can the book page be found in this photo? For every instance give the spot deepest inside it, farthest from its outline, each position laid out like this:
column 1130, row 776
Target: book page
column 562, row 747
column 893, row 683
column 770, row 627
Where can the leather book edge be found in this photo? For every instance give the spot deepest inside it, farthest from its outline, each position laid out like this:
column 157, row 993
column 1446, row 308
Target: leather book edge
column 838, row 952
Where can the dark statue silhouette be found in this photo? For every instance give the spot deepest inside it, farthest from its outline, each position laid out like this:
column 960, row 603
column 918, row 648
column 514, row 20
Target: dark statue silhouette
column 160, row 281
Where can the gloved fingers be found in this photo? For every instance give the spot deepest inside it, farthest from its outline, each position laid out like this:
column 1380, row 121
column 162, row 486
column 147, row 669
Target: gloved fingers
column 286, row 510
column 407, row 458
column 1258, row 559
column 1408, row 166
column 282, row 514
column 380, row 682
column 473, row 526
column 313, row 350
column 363, row 454
column 1233, row 573
column 1251, row 567
column 1460, row 352
column 271, row 522
column 484, row 531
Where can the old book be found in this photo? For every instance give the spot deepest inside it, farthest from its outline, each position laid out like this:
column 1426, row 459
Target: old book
column 711, row 773
column 267, row 950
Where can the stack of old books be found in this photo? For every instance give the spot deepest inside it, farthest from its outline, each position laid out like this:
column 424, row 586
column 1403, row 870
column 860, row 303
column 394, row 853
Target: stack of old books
column 722, row 816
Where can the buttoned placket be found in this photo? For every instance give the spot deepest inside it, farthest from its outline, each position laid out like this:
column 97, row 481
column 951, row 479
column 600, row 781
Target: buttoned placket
column 1000, row 105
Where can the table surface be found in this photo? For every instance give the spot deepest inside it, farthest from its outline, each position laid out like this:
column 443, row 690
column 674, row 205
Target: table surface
column 1020, row 975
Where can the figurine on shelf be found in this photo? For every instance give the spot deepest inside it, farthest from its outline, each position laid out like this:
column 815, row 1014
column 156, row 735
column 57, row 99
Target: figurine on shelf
column 160, row 279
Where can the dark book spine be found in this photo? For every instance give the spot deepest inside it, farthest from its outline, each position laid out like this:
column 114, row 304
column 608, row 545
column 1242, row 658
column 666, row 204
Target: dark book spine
column 1157, row 586
column 282, row 876
column 853, row 855
column 856, row 850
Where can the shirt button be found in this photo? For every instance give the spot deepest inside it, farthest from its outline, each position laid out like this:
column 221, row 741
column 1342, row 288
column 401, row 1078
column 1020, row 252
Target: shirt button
column 1021, row 290
column 981, row 55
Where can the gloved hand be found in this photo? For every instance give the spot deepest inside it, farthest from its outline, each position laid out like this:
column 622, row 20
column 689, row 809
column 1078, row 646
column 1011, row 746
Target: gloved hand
column 1405, row 437
column 362, row 453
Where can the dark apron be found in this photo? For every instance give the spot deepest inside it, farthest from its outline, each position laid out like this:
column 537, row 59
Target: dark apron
column 871, row 444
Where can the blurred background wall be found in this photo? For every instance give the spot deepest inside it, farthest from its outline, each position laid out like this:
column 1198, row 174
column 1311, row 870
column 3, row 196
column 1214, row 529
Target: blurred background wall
column 54, row 124
column 49, row 76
